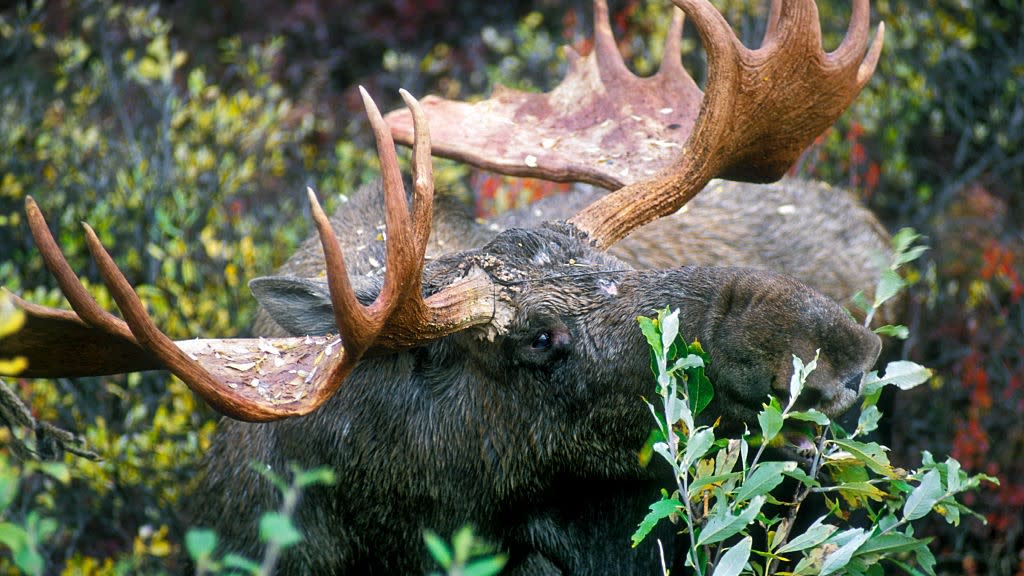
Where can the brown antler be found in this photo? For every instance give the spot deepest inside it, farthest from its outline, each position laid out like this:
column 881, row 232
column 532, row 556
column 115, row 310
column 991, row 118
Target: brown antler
column 762, row 108
column 263, row 379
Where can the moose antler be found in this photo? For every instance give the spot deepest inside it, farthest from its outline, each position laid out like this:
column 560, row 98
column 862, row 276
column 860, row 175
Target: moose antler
column 762, row 108
column 262, row 379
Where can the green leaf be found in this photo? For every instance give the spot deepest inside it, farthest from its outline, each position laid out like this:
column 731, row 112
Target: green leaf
column 200, row 543
column 870, row 453
column 857, row 491
column 724, row 524
column 46, row 528
column 815, row 534
column 650, row 330
column 889, row 285
column 239, row 562
column 735, row 559
column 861, row 301
column 950, row 510
column 901, row 373
column 689, row 362
column 713, row 480
column 196, row 81
column 726, row 458
column 770, row 420
column 890, row 543
column 954, row 483
column 909, row 256
column 29, row 560
column 8, row 488
column 801, row 476
column 462, row 544
column 323, row 475
column 697, row 445
column 841, row 557
column 698, row 388
column 485, row 566
column 660, row 509
column 897, row 331
column 669, row 329
column 13, row 536
column 763, row 479
column 438, row 548
column 799, row 377
column 811, row 415
column 267, row 472
column 903, row 238
column 59, row 471
column 921, row 500
column 925, row 560
column 278, row 529
column 868, row 420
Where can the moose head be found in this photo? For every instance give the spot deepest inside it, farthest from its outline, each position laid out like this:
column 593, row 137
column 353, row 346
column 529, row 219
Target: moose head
column 480, row 385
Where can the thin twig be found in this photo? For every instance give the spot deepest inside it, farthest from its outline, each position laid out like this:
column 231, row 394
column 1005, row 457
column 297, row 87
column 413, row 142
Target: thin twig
column 50, row 441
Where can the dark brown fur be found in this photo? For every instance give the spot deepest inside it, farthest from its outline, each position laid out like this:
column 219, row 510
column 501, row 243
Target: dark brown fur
column 534, row 446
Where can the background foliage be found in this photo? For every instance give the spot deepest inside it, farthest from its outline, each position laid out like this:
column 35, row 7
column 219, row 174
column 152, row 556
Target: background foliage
column 184, row 133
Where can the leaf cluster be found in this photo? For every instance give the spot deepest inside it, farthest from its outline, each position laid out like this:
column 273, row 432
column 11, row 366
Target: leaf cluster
column 723, row 486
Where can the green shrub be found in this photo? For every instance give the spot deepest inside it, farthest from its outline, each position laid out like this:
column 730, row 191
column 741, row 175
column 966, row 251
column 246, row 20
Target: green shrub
column 721, row 508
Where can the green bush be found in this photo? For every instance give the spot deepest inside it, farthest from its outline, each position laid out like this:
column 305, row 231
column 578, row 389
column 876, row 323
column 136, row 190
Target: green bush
column 721, row 491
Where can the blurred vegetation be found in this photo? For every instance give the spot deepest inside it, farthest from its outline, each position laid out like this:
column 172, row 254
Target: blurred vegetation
column 185, row 132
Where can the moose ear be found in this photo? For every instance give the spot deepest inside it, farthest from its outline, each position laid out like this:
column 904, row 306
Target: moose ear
column 299, row 305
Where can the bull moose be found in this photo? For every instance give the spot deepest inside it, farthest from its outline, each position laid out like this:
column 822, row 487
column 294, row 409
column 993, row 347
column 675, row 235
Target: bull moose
column 499, row 383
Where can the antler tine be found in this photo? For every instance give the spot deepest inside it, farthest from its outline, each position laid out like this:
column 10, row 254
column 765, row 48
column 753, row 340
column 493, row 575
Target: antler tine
column 403, row 270
column 672, row 58
column 760, row 110
column 771, row 30
column 353, row 322
column 609, row 59
column 851, row 50
column 80, row 300
column 422, row 175
column 413, row 320
column 405, row 244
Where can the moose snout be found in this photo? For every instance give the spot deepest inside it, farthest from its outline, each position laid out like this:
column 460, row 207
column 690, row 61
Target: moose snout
column 840, row 390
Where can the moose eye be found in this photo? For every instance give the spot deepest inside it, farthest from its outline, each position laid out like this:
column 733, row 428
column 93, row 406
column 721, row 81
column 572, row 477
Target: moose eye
column 546, row 343
column 542, row 341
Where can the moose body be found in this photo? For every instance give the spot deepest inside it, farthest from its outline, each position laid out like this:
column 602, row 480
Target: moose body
column 532, row 437
column 495, row 377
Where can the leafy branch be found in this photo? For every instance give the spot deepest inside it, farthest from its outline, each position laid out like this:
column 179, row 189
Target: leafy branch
column 720, row 494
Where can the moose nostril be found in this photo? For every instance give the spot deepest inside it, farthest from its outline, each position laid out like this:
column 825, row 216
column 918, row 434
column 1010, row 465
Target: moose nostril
column 853, row 382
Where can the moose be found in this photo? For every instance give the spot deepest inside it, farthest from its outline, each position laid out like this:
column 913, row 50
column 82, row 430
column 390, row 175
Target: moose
column 496, row 380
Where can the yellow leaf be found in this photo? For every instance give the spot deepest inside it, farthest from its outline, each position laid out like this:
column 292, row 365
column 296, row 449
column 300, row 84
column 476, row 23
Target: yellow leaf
column 179, row 59
column 149, row 69
column 11, row 318
column 12, row 367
